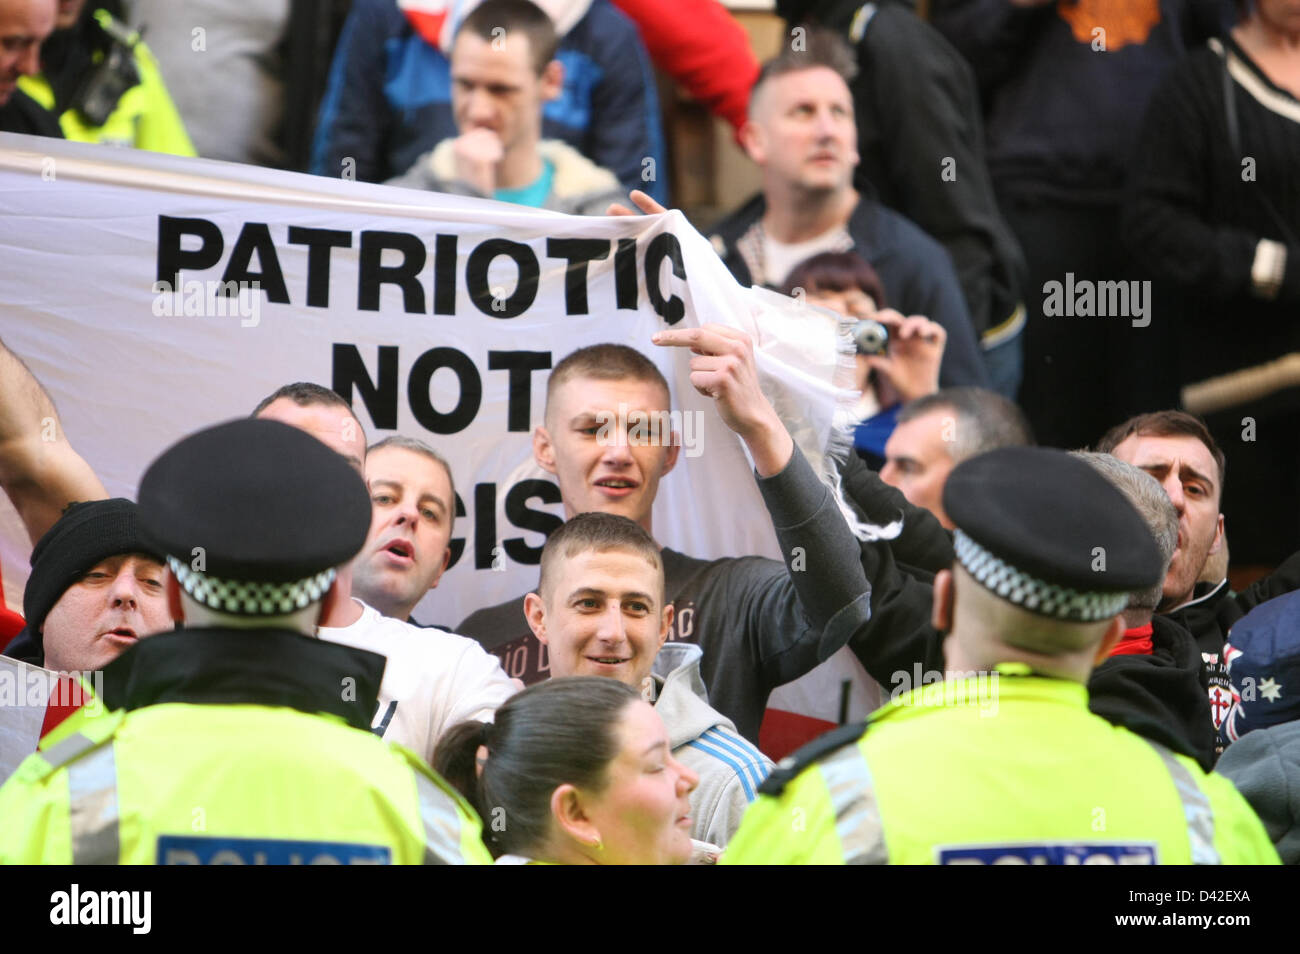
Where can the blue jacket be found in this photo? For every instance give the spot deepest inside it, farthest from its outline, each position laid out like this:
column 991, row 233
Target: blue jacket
column 389, row 98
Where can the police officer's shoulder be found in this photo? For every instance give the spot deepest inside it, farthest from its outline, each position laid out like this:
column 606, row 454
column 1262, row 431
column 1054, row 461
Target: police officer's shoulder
column 90, row 736
column 789, row 767
column 115, row 29
column 420, row 767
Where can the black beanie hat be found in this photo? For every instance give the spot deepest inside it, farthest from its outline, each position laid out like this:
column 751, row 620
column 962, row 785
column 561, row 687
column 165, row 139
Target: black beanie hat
column 85, row 534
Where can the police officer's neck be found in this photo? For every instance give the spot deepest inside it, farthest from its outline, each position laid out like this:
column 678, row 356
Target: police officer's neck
column 344, row 610
column 200, row 617
column 975, row 649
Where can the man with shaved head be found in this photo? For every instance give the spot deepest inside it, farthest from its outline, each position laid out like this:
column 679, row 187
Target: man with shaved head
column 802, row 135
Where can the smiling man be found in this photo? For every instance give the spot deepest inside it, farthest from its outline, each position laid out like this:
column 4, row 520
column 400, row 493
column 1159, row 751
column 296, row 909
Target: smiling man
column 503, row 71
column 600, row 611
column 760, row 623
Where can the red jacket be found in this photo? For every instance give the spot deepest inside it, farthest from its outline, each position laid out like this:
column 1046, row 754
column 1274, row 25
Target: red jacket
column 699, row 44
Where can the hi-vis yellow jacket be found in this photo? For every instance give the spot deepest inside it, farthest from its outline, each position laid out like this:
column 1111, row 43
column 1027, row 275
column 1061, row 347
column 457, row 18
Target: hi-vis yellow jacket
column 206, row 781
column 145, row 116
column 1005, row 768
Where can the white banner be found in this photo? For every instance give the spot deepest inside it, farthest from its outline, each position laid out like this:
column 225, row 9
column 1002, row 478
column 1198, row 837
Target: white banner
column 436, row 316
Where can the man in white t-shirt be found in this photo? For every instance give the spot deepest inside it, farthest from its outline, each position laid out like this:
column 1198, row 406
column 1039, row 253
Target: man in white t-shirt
column 433, row 679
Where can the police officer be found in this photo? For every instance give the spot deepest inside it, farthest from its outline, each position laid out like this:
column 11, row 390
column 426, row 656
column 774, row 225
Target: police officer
column 998, row 759
column 239, row 738
column 102, row 82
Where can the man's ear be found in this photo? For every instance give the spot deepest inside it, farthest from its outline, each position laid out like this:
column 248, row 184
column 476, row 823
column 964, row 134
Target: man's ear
column 328, row 601
column 569, row 813
column 941, row 610
column 1217, row 545
column 174, row 605
column 552, row 80
column 666, row 624
column 1114, row 632
column 535, row 613
column 753, row 141
column 674, row 451
column 446, row 559
column 543, row 449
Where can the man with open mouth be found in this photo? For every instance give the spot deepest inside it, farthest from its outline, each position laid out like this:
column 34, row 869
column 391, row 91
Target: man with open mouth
column 96, row 588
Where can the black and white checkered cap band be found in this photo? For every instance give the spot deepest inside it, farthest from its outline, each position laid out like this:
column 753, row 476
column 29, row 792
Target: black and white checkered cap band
column 251, row 599
column 1018, row 587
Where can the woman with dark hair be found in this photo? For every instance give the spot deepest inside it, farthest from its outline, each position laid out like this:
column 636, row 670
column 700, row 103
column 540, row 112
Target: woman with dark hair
column 908, row 368
column 574, row 770
column 1214, row 214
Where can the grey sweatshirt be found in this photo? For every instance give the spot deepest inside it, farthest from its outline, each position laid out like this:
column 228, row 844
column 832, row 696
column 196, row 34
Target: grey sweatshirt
column 705, row 741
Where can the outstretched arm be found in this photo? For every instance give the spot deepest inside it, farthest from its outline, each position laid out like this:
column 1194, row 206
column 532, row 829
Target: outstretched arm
column 39, row 470
column 795, row 614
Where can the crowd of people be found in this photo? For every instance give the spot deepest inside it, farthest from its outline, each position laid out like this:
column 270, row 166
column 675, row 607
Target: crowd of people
column 1076, row 666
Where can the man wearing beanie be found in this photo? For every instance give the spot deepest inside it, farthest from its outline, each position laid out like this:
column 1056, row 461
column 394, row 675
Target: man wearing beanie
column 997, row 759
column 96, row 587
column 254, row 518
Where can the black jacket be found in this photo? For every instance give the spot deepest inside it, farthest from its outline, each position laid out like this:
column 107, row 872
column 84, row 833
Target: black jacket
column 269, row 667
column 1161, row 696
column 1213, row 611
column 22, row 114
column 916, row 271
column 1062, row 118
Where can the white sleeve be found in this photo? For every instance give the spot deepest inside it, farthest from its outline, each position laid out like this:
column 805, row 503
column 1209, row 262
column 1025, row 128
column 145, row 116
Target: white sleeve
column 478, row 685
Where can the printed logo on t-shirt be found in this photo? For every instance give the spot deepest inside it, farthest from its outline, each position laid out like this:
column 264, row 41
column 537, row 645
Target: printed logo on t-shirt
column 525, row 659
column 1220, row 687
column 683, row 627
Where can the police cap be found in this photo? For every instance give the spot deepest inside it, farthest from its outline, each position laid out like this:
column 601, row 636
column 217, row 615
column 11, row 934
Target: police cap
column 1047, row 532
column 254, row 516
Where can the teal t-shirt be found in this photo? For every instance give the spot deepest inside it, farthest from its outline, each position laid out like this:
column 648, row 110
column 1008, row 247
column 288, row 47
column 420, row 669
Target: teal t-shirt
column 534, row 194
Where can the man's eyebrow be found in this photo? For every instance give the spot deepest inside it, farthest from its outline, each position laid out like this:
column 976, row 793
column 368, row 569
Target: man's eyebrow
column 1195, row 474
column 433, row 498
column 585, row 591
column 638, row 595
column 660, row 743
